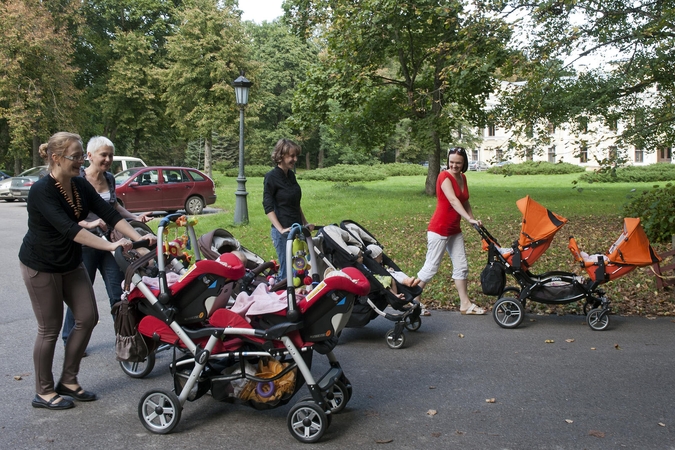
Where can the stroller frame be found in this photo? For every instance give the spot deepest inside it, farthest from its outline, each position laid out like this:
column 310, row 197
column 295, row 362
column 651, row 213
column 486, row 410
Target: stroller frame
column 554, row 287
column 229, row 339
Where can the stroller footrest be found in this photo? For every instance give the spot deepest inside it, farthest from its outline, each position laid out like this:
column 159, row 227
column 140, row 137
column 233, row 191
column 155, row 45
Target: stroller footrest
column 329, row 378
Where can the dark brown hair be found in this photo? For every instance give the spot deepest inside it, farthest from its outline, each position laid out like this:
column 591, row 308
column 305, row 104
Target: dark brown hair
column 283, row 148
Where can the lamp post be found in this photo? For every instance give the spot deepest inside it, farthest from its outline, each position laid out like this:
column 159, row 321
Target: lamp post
column 241, row 87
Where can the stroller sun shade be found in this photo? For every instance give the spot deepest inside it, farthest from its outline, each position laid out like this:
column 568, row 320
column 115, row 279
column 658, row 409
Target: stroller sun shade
column 633, row 246
column 538, row 222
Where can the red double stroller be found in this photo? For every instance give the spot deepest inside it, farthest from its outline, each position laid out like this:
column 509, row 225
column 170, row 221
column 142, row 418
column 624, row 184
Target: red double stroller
column 262, row 363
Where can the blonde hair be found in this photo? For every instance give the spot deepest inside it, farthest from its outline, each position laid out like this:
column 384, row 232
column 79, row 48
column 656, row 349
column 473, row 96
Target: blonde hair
column 57, row 145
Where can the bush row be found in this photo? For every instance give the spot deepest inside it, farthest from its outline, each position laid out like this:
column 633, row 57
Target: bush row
column 650, row 173
column 340, row 173
column 536, row 168
column 656, row 210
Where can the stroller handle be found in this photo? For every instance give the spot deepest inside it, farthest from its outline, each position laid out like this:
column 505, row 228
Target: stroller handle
column 119, row 253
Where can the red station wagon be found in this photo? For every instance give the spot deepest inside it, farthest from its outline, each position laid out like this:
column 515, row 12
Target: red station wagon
column 164, row 189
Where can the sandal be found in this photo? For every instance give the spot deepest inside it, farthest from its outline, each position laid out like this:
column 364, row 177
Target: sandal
column 425, row 312
column 473, row 310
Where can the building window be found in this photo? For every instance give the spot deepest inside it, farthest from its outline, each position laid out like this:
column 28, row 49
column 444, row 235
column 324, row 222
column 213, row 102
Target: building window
column 583, row 154
column 491, row 131
column 529, row 154
column 551, row 128
column 665, row 154
column 474, row 155
column 499, row 154
column 639, row 155
column 551, row 154
column 612, row 153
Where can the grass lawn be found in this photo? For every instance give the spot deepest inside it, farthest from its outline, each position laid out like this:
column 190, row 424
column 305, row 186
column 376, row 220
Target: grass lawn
column 396, row 211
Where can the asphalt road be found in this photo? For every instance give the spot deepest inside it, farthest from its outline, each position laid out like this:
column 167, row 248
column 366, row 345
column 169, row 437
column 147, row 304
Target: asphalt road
column 585, row 390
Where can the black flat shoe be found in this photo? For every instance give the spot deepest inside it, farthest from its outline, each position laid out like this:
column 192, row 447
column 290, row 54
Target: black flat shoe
column 81, row 395
column 39, row 402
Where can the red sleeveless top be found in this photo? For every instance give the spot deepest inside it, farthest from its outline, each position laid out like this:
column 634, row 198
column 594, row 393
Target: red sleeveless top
column 446, row 221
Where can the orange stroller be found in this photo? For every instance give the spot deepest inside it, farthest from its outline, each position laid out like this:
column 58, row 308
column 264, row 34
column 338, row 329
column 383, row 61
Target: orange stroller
column 539, row 225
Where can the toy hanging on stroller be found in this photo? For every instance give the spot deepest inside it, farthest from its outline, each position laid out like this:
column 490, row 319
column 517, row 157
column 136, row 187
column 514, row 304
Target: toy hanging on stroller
column 342, row 247
column 238, row 361
column 556, row 287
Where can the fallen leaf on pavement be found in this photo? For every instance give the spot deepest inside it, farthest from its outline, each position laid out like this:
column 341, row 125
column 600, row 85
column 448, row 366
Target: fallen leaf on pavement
column 490, row 400
column 661, row 424
column 616, row 346
column 432, row 412
column 549, row 341
column 18, row 377
column 569, row 340
column 460, row 335
column 435, row 434
column 384, row 441
column 569, row 420
column 596, row 433
column 592, row 348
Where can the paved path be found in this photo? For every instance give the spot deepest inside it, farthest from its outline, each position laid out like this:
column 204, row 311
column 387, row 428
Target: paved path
column 586, row 390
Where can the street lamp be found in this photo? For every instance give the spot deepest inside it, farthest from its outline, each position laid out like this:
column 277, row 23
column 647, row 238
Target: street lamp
column 241, row 86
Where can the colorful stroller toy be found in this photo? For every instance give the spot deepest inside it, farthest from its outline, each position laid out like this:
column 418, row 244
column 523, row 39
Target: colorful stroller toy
column 241, row 362
column 556, row 287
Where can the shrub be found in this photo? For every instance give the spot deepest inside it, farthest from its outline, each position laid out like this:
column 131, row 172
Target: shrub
column 632, row 174
column 536, row 168
column 345, row 174
column 656, row 210
column 404, row 170
column 249, row 171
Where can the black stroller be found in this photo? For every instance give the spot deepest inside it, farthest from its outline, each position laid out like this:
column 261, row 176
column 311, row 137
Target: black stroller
column 261, row 364
column 338, row 244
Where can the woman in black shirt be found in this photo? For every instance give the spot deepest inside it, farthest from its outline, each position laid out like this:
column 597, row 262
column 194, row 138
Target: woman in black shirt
column 281, row 198
column 52, row 269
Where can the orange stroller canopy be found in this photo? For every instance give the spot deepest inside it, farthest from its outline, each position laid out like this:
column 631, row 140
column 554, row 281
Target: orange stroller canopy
column 633, row 246
column 538, row 222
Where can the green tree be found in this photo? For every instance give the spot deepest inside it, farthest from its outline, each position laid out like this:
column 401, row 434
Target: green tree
column 425, row 54
column 628, row 49
column 37, row 92
column 282, row 59
column 204, row 57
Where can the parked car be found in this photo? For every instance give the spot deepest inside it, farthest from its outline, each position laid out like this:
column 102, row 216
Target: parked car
column 164, row 189
column 20, row 184
column 477, row 166
column 503, row 163
column 121, row 163
column 4, row 176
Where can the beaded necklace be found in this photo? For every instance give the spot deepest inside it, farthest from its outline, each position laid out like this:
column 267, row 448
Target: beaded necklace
column 77, row 206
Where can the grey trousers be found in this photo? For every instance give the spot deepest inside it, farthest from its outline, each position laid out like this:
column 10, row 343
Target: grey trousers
column 48, row 292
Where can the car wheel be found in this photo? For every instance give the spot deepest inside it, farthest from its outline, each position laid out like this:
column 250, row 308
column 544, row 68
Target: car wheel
column 194, row 205
column 10, row 199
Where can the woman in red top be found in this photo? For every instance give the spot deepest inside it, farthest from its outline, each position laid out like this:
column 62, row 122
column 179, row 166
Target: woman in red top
column 444, row 231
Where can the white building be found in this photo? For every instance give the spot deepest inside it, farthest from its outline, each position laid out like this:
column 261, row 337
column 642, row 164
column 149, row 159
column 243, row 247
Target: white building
column 566, row 145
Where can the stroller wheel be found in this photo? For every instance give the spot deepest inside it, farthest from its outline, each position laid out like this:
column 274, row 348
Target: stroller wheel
column 159, row 411
column 413, row 324
column 337, row 397
column 307, row 422
column 393, row 342
column 598, row 319
column 139, row 369
column 508, row 312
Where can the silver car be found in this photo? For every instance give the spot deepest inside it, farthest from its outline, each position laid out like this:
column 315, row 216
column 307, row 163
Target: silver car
column 20, row 184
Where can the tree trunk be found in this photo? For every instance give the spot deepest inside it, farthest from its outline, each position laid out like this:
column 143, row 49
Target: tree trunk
column 308, row 164
column 320, row 162
column 207, row 154
column 434, row 164
column 36, row 151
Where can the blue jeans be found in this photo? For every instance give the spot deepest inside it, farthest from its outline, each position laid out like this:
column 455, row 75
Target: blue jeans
column 279, row 241
column 113, row 277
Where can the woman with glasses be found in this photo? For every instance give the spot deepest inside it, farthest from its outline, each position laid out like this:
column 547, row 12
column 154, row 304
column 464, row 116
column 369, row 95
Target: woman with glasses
column 444, row 233
column 52, row 269
column 100, row 152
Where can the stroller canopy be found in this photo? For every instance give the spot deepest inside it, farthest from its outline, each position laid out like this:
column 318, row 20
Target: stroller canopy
column 538, row 222
column 633, row 246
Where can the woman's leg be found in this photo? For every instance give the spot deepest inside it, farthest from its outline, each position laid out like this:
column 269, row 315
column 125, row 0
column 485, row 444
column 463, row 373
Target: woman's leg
column 460, row 268
column 436, row 245
column 91, row 260
column 112, row 276
column 279, row 241
column 79, row 296
column 45, row 292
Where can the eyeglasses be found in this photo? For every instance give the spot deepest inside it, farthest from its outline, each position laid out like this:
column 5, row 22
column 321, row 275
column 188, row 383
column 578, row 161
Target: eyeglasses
column 456, row 150
column 74, row 157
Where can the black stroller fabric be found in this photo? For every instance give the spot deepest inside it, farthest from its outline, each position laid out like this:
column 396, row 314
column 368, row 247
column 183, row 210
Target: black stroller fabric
column 130, row 345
